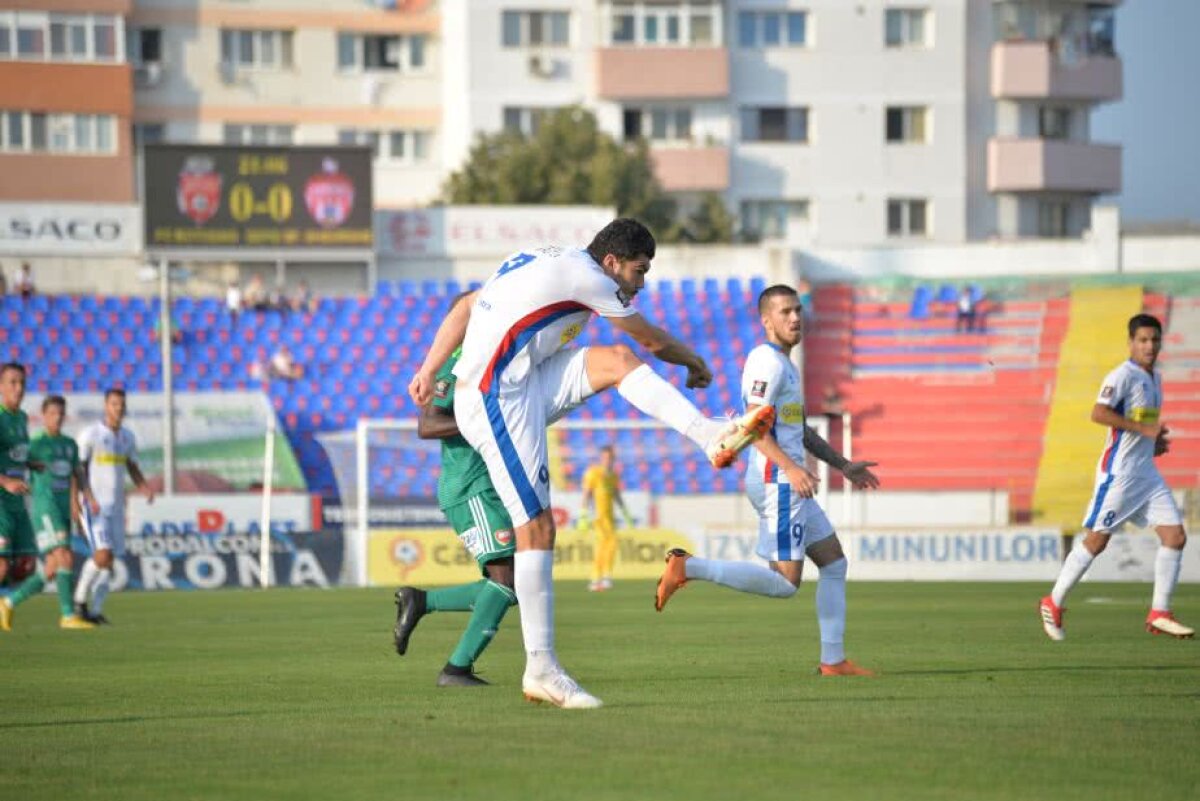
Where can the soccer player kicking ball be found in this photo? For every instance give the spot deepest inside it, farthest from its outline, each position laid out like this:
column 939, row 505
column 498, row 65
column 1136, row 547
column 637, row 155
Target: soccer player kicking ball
column 108, row 450
column 516, row 374
column 469, row 501
column 56, row 498
column 17, row 544
column 781, row 489
column 1129, row 487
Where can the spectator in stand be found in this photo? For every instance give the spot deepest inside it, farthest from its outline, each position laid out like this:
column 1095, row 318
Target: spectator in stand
column 176, row 329
column 24, row 282
column 302, row 299
column 966, row 311
column 279, row 299
column 233, row 300
column 3, row 282
column 283, row 365
column 255, row 296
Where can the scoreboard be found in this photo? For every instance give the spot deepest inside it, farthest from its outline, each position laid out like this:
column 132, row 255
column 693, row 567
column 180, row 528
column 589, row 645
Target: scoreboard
column 277, row 198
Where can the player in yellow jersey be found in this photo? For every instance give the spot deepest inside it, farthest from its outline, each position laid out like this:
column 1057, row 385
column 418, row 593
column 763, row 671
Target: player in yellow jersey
column 602, row 487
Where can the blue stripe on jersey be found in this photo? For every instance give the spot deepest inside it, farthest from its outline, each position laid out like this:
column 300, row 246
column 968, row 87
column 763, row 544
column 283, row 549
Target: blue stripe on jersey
column 783, row 519
column 516, row 471
column 1099, row 503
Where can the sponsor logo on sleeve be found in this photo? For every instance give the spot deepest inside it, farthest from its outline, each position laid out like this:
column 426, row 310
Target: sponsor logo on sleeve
column 1106, row 393
column 441, row 389
column 758, row 389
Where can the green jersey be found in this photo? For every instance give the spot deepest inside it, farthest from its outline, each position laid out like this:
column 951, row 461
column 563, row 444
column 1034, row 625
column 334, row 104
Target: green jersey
column 52, row 486
column 14, row 448
column 464, row 473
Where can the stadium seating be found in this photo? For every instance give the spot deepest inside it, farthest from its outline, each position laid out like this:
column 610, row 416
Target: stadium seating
column 937, row 409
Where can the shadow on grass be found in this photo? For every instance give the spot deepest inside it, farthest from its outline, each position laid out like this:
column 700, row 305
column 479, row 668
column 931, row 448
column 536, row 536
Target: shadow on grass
column 1039, row 669
column 127, row 719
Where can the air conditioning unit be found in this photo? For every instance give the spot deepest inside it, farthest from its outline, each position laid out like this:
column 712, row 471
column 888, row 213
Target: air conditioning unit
column 148, row 75
column 228, row 72
column 542, row 66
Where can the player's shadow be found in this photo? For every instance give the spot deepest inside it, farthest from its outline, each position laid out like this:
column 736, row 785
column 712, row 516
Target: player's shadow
column 125, row 719
column 1038, row 669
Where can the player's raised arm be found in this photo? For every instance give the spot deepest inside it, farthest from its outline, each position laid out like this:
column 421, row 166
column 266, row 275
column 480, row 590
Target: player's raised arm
column 665, row 347
column 449, row 336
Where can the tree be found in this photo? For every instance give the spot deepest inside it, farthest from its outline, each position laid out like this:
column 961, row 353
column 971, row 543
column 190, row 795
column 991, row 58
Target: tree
column 709, row 223
column 569, row 160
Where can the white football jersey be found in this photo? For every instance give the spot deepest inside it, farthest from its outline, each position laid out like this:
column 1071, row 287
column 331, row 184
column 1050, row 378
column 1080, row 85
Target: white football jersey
column 108, row 454
column 531, row 308
column 770, row 379
column 1131, row 391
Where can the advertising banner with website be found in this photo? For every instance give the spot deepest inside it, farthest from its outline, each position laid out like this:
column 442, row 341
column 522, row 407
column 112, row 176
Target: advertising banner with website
column 287, row 197
column 220, row 437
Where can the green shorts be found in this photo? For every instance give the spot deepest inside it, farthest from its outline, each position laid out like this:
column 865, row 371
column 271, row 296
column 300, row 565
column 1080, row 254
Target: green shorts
column 52, row 526
column 16, row 533
column 484, row 527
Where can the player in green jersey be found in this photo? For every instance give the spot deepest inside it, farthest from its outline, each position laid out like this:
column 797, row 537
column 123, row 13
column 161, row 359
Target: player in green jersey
column 469, row 501
column 56, row 491
column 18, row 550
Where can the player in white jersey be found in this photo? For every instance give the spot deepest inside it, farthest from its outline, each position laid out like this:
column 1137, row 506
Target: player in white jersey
column 108, row 451
column 790, row 523
column 517, row 375
column 1129, row 488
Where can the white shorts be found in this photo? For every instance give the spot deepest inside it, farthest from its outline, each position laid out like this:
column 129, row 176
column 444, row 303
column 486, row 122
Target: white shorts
column 106, row 531
column 787, row 523
column 507, row 426
column 1142, row 500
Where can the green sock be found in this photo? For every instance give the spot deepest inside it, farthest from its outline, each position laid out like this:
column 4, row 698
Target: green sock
column 491, row 603
column 453, row 599
column 63, row 580
column 29, row 588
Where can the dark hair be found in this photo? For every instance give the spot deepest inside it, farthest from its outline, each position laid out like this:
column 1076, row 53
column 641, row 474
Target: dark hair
column 625, row 238
column 54, row 400
column 20, row 368
column 1143, row 321
column 609, row 449
column 113, row 391
column 778, row 290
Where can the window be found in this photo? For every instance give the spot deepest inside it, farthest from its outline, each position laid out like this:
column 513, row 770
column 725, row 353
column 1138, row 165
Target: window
column 86, row 134
column 40, row 36
column 769, row 219
column 664, row 24
column 524, row 119
column 259, row 49
column 774, row 124
column 906, row 124
column 535, row 28
column 907, row 217
column 384, row 53
column 906, row 27
column 1053, row 218
column 145, row 46
column 1054, row 122
column 658, row 123
column 148, row 133
column 240, row 134
column 772, row 29
column 394, row 146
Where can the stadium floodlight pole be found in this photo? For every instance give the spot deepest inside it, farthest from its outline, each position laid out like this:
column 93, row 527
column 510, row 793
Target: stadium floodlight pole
column 164, row 297
column 264, row 545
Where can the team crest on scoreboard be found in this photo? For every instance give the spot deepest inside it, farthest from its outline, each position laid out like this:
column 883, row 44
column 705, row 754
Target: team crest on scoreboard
column 198, row 192
column 329, row 195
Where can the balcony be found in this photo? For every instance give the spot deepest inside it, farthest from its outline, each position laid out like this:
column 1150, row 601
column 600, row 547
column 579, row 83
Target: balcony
column 1050, row 165
column 659, row 73
column 1039, row 69
column 691, row 169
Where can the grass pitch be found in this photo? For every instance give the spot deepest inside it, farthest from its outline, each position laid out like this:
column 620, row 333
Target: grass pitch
column 298, row 695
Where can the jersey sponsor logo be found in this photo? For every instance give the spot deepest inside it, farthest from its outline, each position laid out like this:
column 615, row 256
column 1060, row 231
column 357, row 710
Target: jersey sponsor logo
column 111, row 458
column 791, row 412
column 60, row 469
column 19, row 452
column 1106, row 393
column 570, row 332
column 441, row 389
column 1143, row 414
column 759, row 389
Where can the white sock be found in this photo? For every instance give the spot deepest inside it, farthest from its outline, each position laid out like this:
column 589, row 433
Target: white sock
column 83, row 586
column 100, row 590
column 831, row 611
column 653, row 395
column 533, row 573
column 1166, row 573
column 1073, row 568
column 742, row 576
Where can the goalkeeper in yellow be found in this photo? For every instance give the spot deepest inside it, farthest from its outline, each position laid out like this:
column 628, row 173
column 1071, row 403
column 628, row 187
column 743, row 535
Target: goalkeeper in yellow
column 602, row 488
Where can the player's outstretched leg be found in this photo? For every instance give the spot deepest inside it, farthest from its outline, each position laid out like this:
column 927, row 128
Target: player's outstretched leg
column 742, row 576
column 1053, row 606
column 1167, row 561
column 27, row 589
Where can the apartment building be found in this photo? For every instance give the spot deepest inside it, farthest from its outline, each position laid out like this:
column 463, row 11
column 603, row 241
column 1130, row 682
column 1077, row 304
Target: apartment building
column 819, row 122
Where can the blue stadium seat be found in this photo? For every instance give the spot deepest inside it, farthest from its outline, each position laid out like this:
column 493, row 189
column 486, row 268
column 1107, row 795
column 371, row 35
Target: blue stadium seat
column 919, row 310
